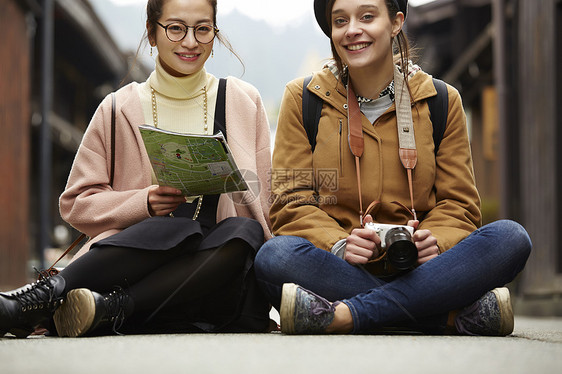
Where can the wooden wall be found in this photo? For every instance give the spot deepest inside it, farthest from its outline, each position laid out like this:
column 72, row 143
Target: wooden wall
column 14, row 145
column 540, row 153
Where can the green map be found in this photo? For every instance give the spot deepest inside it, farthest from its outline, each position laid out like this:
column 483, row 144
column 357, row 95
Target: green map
column 195, row 164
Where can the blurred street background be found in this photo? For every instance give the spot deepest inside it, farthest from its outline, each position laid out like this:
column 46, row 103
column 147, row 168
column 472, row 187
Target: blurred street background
column 59, row 58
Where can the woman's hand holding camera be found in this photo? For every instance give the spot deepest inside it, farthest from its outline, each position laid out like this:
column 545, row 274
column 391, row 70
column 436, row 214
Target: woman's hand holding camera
column 425, row 242
column 365, row 244
column 362, row 245
column 164, row 200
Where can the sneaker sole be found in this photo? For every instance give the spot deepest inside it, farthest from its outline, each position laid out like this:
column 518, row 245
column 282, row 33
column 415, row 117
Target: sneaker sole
column 506, row 310
column 76, row 314
column 287, row 312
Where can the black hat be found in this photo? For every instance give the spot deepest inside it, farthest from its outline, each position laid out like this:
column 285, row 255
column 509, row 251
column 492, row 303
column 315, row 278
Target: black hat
column 320, row 12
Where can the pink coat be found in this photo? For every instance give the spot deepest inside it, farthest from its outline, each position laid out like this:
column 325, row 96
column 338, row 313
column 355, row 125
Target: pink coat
column 99, row 210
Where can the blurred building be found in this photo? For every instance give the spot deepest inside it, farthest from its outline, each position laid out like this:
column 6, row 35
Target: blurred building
column 58, row 62
column 504, row 56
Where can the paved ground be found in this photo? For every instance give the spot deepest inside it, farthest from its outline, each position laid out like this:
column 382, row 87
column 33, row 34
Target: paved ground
column 535, row 347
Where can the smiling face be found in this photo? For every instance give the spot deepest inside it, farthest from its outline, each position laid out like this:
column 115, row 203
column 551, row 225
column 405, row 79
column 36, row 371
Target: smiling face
column 187, row 56
column 362, row 33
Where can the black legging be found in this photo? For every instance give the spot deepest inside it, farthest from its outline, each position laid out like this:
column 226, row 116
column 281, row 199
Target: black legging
column 151, row 277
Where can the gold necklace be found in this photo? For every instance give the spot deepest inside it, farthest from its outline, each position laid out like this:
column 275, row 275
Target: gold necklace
column 155, row 109
column 155, row 120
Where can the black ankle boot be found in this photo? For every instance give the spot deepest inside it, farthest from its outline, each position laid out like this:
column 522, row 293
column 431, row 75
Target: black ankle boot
column 85, row 311
column 22, row 310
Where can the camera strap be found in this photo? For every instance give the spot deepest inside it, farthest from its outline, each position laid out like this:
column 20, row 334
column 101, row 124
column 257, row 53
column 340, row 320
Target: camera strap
column 356, row 143
column 376, row 202
column 406, row 137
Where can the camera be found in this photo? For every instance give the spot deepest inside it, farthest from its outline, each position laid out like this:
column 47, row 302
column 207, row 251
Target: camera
column 401, row 251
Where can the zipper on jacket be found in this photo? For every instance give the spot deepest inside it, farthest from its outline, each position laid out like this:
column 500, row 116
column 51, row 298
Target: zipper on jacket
column 340, row 153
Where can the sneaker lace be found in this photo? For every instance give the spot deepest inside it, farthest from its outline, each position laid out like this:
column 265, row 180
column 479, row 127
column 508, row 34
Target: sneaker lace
column 468, row 317
column 319, row 305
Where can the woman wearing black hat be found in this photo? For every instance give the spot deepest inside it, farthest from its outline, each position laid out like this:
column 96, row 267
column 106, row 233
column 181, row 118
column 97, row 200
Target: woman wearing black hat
column 415, row 258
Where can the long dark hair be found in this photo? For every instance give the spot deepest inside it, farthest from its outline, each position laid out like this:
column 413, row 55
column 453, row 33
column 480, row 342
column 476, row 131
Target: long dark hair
column 400, row 43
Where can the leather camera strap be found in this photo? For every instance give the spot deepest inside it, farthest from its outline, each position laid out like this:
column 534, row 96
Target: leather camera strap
column 356, row 142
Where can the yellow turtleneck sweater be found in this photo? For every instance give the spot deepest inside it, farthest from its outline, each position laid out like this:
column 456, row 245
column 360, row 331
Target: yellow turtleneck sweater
column 180, row 101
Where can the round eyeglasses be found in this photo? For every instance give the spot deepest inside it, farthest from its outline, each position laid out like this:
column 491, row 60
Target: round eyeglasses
column 203, row 33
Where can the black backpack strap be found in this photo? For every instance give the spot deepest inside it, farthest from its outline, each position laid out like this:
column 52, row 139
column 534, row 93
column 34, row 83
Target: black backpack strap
column 311, row 112
column 439, row 110
column 113, row 127
column 220, row 109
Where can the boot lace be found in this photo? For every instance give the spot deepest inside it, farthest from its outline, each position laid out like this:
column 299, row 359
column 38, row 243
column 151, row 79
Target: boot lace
column 116, row 302
column 38, row 295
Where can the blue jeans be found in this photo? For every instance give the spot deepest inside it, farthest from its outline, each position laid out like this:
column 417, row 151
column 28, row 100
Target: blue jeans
column 421, row 299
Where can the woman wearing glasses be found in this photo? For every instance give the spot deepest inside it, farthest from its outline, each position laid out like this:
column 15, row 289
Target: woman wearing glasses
column 159, row 261
column 329, row 269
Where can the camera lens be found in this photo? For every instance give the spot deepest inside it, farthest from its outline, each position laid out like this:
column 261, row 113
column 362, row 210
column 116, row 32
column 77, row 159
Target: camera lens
column 401, row 250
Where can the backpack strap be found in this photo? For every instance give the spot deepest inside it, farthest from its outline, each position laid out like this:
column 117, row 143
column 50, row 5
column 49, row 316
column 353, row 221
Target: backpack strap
column 311, row 112
column 112, row 173
column 220, row 109
column 439, row 110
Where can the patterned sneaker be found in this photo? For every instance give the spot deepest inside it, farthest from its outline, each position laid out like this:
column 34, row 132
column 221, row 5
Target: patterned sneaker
column 304, row 312
column 491, row 315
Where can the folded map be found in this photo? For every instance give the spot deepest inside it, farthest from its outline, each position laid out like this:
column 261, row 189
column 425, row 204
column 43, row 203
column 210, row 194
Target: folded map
column 195, row 164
